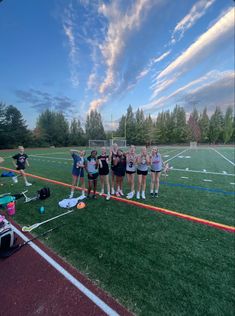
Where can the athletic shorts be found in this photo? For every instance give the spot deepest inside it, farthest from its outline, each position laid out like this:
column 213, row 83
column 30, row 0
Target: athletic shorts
column 78, row 172
column 103, row 172
column 156, row 171
column 92, row 176
column 120, row 172
column 20, row 168
column 143, row 173
column 130, row 172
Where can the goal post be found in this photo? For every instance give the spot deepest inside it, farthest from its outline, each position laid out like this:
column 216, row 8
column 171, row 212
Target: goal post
column 97, row 143
column 193, row 145
column 120, row 141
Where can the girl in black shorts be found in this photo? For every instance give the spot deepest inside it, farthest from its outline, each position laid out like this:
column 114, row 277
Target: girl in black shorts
column 119, row 171
column 103, row 160
column 113, row 156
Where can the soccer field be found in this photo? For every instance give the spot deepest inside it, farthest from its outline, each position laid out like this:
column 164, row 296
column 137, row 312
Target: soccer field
column 153, row 263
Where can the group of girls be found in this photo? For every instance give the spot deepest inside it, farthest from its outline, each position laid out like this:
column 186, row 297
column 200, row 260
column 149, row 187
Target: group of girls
column 121, row 163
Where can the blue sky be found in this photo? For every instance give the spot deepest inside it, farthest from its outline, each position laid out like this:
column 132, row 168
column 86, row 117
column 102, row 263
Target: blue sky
column 78, row 55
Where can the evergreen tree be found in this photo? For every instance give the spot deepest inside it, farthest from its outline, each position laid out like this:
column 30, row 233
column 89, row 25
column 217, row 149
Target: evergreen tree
column 94, row 126
column 130, row 126
column 204, row 123
column 228, row 125
column 179, row 134
column 216, row 126
column 194, row 130
column 149, row 127
column 121, row 127
column 140, row 129
column 77, row 136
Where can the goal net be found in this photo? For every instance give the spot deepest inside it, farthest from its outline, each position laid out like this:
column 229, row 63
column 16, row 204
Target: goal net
column 193, row 145
column 98, row 143
column 120, row 141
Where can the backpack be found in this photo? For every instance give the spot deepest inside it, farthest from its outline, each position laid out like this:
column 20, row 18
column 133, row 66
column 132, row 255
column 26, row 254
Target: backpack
column 44, row 193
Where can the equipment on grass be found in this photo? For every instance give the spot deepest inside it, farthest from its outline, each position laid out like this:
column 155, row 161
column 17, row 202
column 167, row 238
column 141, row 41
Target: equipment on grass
column 4, row 253
column 30, row 228
column 42, row 194
column 6, row 234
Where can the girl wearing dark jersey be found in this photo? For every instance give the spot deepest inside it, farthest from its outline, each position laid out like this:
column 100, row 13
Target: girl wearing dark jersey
column 91, row 166
column 113, row 157
column 19, row 161
column 103, row 160
column 143, row 161
column 119, row 171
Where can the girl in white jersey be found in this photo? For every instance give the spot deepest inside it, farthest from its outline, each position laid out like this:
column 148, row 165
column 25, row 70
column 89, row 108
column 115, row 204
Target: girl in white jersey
column 143, row 161
column 131, row 159
column 157, row 166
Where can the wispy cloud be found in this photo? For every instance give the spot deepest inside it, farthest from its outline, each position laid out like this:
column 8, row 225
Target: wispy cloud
column 197, row 11
column 205, row 45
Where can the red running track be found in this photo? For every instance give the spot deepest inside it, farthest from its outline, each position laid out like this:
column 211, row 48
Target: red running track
column 29, row 285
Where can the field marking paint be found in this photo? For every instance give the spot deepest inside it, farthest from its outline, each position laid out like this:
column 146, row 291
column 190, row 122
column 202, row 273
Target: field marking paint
column 142, row 205
column 187, row 169
column 184, row 177
column 223, row 156
column 50, row 157
column 224, row 172
column 95, row 299
column 177, row 155
column 207, row 172
column 232, row 183
column 207, row 180
column 204, row 170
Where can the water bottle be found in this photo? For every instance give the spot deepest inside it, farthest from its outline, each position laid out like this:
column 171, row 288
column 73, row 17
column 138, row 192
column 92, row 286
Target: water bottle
column 42, row 210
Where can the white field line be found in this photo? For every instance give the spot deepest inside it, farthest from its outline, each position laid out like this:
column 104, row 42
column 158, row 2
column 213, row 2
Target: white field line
column 95, row 299
column 37, row 156
column 207, row 180
column 223, row 156
column 203, row 172
column 176, row 155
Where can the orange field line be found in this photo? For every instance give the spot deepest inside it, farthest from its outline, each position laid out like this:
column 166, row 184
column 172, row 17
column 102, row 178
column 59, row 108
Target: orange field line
column 142, row 205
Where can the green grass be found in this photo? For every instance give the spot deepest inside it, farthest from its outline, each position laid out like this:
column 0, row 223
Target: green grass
column 154, row 264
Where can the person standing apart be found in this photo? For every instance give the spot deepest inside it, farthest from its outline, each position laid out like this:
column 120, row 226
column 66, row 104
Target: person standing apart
column 19, row 161
column 78, row 171
column 113, row 156
column 143, row 161
column 157, row 166
column 131, row 160
column 91, row 166
column 103, row 160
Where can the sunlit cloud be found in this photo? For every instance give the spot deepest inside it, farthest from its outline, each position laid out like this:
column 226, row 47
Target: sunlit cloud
column 206, row 44
column 197, row 11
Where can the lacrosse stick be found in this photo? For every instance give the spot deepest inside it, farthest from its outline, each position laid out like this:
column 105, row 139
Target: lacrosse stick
column 15, row 248
column 166, row 169
column 27, row 199
column 30, row 228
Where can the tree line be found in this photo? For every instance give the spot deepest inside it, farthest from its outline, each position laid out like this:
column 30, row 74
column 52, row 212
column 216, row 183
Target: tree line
column 170, row 127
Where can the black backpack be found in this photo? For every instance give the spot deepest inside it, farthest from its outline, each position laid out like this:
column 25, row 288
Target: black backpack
column 44, row 193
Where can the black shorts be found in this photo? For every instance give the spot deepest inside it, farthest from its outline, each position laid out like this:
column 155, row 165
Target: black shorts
column 120, row 172
column 103, row 172
column 93, row 176
column 20, row 168
column 156, row 171
column 143, row 173
column 130, row 172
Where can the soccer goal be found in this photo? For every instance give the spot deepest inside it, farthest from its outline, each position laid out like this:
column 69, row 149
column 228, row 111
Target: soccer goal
column 120, row 141
column 98, row 143
column 193, row 145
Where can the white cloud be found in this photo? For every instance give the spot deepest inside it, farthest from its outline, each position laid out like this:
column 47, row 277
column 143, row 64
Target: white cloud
column 205, row 45
column 197, row 11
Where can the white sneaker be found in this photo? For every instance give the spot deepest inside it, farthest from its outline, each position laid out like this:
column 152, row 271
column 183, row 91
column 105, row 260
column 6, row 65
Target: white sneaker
column 138, row 195
column 28, row 184
column 101, row 192
column 130, row 195
column 121, row 193
column 14, row 179
column 143, row 195
column 108, row 197
column 112, row 191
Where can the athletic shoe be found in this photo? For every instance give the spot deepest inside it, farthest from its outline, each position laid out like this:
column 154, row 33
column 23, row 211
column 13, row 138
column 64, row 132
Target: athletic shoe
column 138, row 195
column 152, row 195
column 143, row 195
column 28, row 184
column 130, row 195
column 112, row 191
column 117, row 193
column 15, row 180
column 101, row 192
column 156, row 194
column 121, row 193
column 108, row 197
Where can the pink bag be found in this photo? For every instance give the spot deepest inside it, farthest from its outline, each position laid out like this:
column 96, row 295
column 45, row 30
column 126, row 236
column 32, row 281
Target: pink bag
column 11, row 209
